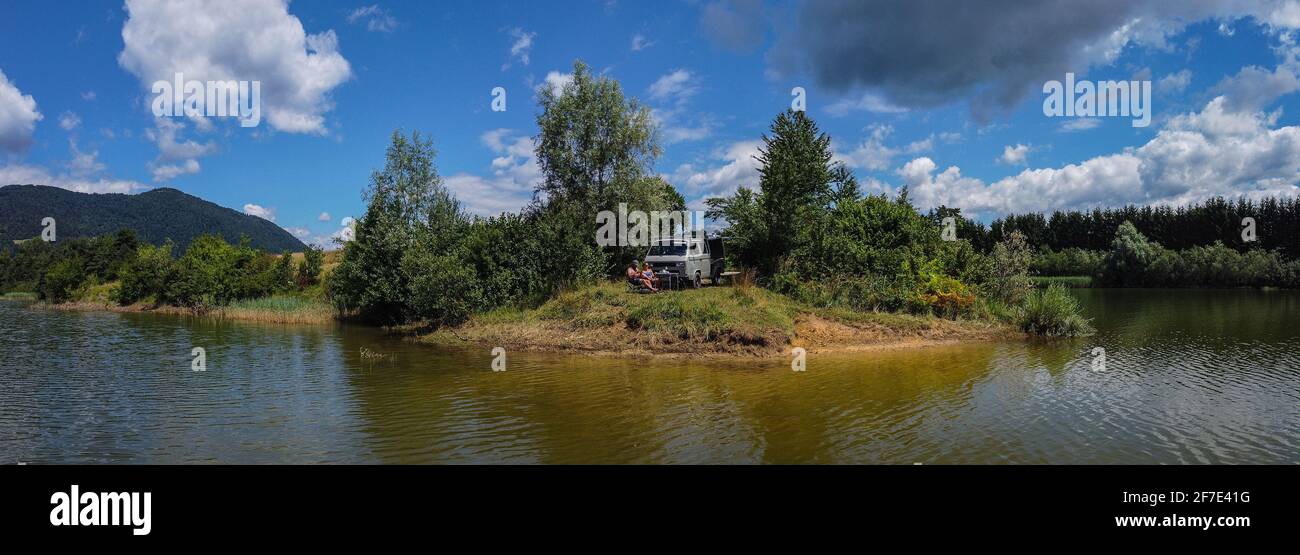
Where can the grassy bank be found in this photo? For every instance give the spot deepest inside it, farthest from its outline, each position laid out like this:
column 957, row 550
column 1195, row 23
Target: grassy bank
column 1073, row 282
column 304, row 307
column 728, row 321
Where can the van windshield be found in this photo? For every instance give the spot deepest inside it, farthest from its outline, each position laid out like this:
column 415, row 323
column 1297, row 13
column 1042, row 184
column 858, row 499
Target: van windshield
column 668, row 250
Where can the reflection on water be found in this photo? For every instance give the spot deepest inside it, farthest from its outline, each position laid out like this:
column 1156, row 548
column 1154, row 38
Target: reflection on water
column 1191, row 377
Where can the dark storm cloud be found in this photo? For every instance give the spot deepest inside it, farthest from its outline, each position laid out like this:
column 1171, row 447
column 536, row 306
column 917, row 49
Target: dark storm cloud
column 922, row 53
column 734, row 24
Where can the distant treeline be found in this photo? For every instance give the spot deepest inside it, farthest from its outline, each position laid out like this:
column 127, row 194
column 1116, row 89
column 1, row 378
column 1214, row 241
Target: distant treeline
column 1277, row 226
column 210, row 272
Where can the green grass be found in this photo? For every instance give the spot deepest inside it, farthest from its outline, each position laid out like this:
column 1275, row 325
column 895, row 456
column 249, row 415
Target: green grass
column 608, row 318
column 279, row 303
column 18, row 296
column 710, row 313
column 1053, row 312
column 1073, row 282
column 279, row 308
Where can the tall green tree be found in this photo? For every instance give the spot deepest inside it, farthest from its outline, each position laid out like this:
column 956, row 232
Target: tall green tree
column 310, row 268
column 408, row 213
column 798, row 186
column 592, row 140
column 596, row 148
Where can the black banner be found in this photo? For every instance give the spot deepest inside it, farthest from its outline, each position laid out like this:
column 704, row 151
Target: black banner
column 321, row 504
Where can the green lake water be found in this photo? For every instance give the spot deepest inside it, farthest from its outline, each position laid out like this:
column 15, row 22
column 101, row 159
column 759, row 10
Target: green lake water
column 1191, row 376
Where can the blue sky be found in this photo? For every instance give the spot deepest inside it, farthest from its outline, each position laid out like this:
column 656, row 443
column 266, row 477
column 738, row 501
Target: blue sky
column 944, row 99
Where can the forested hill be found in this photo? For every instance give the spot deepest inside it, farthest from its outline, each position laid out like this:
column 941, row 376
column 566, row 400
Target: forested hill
column 155, row 215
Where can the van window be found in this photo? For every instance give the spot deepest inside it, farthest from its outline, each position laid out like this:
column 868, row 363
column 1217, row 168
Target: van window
column 668, row 250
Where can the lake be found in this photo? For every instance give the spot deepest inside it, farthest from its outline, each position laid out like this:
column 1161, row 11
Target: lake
column 1189, row 376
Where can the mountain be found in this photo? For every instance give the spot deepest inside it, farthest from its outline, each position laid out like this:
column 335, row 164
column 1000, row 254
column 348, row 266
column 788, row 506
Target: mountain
column 155, row 216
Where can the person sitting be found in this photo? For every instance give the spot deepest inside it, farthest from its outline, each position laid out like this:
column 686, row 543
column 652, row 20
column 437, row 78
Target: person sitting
column 649, row 275
column 637, row 279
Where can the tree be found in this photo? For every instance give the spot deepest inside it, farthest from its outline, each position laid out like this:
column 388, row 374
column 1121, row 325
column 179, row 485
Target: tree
column 591, row 139
column 1130, row 255
column 62, row 279
column 283, row 273
column 798, row 186
column 596, row 148
column 407, row 206
column 310, row 268
column 146, row 274
column 1010, row 281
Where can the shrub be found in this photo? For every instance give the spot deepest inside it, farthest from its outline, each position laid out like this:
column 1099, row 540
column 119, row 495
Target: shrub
column 945, row 296
column 62, row 279
column 1053, row 312
column 442, row 287
column 1129, row 257
column 146, row 275
column 309, row 269
column 1009, row 280
column 282, row 275
column 1067, row 262
column 213, row 272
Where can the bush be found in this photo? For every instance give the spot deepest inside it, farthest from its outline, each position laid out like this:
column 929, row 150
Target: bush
column 1009, row 282
column 1067, row 262
column 1135, row 261
column 1129, row 257
column 309, row 269
column 146, row 274
column 62, row 279
column 442, row 287
column 213, row 272
column 282, row 275
column 1053, row 312
column 945, row 296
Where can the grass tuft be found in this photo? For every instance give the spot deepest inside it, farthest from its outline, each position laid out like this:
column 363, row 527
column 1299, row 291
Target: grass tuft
column 1053, row 312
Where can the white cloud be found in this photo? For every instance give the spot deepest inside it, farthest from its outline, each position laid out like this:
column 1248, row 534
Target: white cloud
column 69, row 121
column 1175, row 82
column 299, row 232
column 521, row 48
column 250, row 40
column 346, row 232
column 874, row 154
column 676, row 134
column 515, row 176
column 19, row 174
column 677, row 85
column 640, row 42
column 323, row 217
column 88, row 96
column 83, row 163
column 18, row 117
column 1080, row 124
column 1253, row 87
column 738, row 167
column 556, row 81
column 176, row 156
column 377, row 19
column 674, row 91
column 167, row 172
column 259, row 211
column 1195, row 156
column 867, row 103
column 1014, row 155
